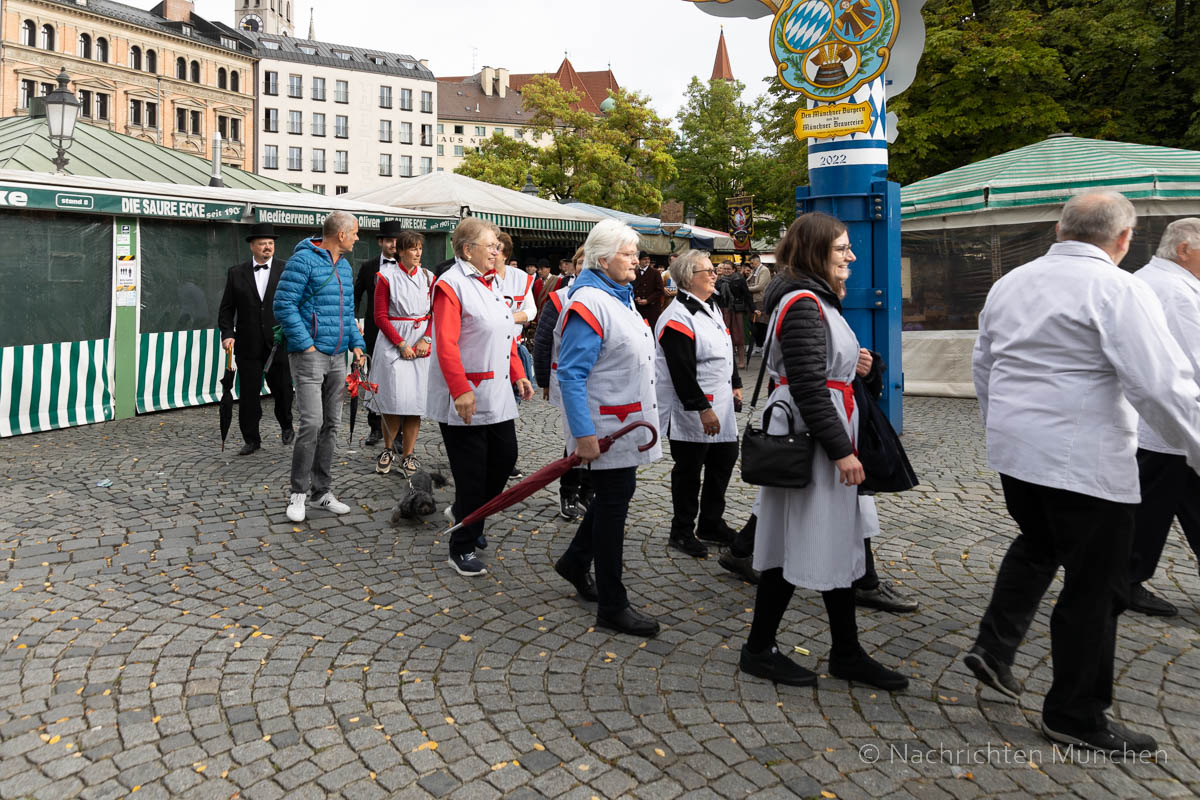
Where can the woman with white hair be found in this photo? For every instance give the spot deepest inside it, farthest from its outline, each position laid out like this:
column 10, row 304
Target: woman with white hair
column 698, row 387
column 605, row 377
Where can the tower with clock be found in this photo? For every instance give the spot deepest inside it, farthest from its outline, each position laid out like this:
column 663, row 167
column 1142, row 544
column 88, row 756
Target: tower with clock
column 264, row 16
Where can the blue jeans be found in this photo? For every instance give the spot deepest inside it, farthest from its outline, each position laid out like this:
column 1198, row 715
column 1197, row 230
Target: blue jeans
column 320, row 381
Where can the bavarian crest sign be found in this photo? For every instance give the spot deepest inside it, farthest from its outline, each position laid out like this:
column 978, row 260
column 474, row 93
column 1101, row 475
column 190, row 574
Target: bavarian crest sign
column 828, row 49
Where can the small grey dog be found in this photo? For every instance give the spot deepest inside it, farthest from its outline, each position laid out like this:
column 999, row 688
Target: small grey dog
column 418, row 501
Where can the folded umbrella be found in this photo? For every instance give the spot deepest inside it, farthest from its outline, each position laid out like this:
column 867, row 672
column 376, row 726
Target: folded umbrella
column 555, row 469
column 357, row 383
column 227, row 397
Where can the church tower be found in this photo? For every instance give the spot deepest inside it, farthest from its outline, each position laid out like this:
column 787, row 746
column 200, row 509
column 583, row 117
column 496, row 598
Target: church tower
column 264, row 16
column 721, row 68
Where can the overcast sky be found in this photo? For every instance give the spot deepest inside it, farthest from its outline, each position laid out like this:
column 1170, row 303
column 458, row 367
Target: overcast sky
column 654, row 46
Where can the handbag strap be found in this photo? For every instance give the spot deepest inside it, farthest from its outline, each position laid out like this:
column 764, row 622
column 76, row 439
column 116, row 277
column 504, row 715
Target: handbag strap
column 762, row 370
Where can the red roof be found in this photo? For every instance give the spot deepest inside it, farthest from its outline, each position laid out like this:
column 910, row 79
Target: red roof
column 721, row 67
column 594, row 86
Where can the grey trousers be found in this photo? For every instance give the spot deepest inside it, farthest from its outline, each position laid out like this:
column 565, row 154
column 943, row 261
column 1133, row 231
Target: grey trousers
column 320, row 382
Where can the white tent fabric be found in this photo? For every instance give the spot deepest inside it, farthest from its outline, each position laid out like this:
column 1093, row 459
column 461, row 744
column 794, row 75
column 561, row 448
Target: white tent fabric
column 446, row 193
column 938, row 363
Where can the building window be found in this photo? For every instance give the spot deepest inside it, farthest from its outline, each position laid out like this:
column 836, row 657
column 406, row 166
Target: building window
column 295, row 122
column 47, row 42
column 406, row 99
column 228, row 42
column 83, row 48
column 441, row 149
column 152, row 61
column 480, row 130
column 102, row 49
column 318, row 160
column 181, row 120
column 498, row 130
column 426, row 165
column 441, row 128
column 181, row 69
column 458, row 151
column 342, row 54
column 234, row 82
column 427, row 102
column 235, row 129
column 341, row 127
column 318, row 89
column 28, row 92
column 295, row 158
column 222, row 78
column 385, row 164
column 295, row 86
column 385, row 130
column 318, row 125
column 341, row 189
column 458, row 130
column 319, row 188
column 427, row 136
column 405, row 133
column 385, row 96
column 307, row 49
column 102, row 106
column 85, row 102
column 341, row 92
column 270, row 45
column 186, row 29
column 29, row 33
column 151, row 115
column 195, row 72
column 377, row 60
column 341, row 161
column 271, row 120
column 135, row 57
column 270, row 157
column 135, row 113
column 197, row 124
column 405, row 166
column 271, row 82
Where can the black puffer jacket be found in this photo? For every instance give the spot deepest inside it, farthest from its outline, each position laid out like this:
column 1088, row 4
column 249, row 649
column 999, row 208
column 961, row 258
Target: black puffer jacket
column 805, row 358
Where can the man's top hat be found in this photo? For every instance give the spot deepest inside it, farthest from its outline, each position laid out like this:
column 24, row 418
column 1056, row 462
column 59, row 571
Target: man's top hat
column 261, row 230
column 390, row 229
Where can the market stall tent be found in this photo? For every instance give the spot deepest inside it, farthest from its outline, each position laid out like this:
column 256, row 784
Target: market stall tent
column 654, row 237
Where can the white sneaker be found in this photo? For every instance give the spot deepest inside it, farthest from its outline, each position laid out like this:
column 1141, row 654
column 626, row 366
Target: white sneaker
column 295, row 510
column 331, row 503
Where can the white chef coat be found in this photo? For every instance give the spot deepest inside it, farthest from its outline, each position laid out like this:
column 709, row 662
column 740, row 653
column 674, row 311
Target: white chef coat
column 517, row 288
column 1066, row 344
column 1179, row 292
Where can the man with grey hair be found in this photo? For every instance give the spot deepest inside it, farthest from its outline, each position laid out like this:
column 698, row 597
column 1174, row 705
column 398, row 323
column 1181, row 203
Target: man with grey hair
column 1066, row 344
column 314, row 304
column 1170, row 488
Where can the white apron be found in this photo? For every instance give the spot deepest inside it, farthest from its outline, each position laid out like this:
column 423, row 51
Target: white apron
column 714, row 373
column 403, row 384
column 816, row 533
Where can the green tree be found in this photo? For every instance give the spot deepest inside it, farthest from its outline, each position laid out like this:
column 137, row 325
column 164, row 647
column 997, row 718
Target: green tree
column 619, row 160
column 780, row 162
column 716, row 139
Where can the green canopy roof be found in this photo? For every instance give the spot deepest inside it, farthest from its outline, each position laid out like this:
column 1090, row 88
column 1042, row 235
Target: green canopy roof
column 100, row 153
column 1049, row 172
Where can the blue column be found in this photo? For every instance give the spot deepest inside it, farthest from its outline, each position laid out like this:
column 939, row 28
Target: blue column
column 848, row 180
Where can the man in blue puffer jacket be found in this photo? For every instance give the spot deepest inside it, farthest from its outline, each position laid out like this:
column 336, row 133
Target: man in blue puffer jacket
column 314, row 303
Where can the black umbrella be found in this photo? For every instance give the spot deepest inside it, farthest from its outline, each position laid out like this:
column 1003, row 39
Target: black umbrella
column 357, row 382
column 226, row 397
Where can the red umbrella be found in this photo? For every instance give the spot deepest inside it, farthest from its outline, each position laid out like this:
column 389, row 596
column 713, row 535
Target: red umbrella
column 555, row 469
column 357, row 382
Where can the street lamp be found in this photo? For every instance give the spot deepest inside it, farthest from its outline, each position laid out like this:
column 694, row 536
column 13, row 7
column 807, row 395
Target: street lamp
column 62, row 112
column 529, row 188
column 690, row 219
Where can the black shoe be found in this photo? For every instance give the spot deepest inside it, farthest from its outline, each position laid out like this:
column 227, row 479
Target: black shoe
column 864, row 669
column 585, row 500
column 775, row 667
column 516, row 474
column 628, row 621
column 373, row 438
column 481, row 542
column 568, row 505
column 742, row 567
column 584, row 585
column 720, row 534
column 1114, row 738
column 248, row 448
column 885, row 598
column 1144, row 601
column 288, row 435
column 467, row 565
column 690, row 545
column 989, row 670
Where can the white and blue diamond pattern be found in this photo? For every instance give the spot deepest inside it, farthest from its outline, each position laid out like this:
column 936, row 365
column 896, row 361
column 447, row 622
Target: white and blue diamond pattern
column 808, row 24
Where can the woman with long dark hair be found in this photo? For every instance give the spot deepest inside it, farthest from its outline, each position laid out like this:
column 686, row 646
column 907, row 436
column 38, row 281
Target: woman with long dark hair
column 813, row 537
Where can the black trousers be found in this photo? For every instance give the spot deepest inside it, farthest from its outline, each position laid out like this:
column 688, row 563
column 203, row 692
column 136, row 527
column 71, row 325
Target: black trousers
column 279, row 380
column 481, row 459
column 600, row 538
column 374, row 421
column 575, row 482
column 760, row 334
column 1170, row 489
column 716, row 460
column 743, row 546
column 1091, row 539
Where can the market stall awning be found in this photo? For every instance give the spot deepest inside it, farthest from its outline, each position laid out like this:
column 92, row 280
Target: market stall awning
column 1049, row 172
column 449, row 194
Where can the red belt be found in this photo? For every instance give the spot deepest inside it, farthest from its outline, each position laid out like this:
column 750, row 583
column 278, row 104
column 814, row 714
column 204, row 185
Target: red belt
column 846, row 389
column 621, row 412
column 479, row 377
column 409, row 319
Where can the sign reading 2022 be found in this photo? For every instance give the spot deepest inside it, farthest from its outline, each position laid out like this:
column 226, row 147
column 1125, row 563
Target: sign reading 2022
column 828, row 49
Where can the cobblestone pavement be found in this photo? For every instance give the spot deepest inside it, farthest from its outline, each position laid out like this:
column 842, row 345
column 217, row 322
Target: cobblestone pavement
column 174, row 635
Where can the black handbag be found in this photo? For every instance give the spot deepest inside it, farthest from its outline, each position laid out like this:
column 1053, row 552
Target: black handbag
column 782, row 461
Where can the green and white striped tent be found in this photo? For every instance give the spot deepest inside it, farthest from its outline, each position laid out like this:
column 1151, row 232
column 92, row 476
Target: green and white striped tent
column 1031, row 183
column 447, row 193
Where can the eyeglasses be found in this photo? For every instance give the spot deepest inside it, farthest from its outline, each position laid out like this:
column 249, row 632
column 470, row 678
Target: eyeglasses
column 710, row 271
column 842, row 248
column 495, row 248
column 627, row 254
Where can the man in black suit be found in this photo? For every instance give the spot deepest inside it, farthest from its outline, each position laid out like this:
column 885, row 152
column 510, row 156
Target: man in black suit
column 364, row 285
column 247, row 322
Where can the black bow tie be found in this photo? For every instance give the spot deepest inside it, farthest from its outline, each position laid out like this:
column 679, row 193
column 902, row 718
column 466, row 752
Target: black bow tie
column 257, row 267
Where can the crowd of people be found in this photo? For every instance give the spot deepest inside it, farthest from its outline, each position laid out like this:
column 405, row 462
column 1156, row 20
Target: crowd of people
column 1071, row 352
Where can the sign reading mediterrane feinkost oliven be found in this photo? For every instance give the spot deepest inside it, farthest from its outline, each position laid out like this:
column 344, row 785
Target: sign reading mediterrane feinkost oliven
column 312, row 218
